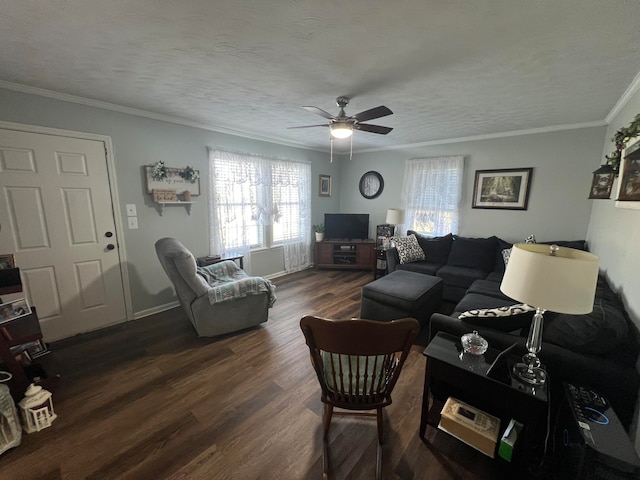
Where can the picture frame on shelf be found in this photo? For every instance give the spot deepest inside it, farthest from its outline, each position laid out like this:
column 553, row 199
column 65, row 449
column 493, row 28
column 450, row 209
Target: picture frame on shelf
column 504, row 189
column 628, row 188
column 630, row 180
column 7, row 261
column 324, row 185
column 14, row 309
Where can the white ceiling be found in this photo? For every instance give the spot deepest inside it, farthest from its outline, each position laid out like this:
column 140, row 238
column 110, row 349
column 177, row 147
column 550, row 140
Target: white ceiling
column 447, row 68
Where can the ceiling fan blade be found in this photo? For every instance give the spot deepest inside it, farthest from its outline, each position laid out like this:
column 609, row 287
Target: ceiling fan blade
column 372, row 113
column 310, row 126
column 372, row 128
column 318, row 111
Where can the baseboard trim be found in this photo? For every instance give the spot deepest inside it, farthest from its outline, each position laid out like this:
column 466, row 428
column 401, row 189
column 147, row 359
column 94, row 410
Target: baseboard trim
column 154, row 310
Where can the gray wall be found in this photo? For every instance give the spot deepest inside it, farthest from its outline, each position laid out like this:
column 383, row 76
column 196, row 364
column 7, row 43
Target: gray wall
column 139, row 141
column 614, row 235
column 558, row 205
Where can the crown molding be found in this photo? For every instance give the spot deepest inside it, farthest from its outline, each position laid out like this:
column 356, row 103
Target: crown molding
column 631, row 90
column 490, row 136
column 214, row 128
column 144, row 113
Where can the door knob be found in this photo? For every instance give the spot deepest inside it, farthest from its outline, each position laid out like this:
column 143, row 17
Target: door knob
column 108, row 234
column 111, row 246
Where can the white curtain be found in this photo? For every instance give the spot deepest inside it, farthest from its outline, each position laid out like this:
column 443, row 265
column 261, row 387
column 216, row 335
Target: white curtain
column 291, row 193
column 257, row 201
column 431, row 194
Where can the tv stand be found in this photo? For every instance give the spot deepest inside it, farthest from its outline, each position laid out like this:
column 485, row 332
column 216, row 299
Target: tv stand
column 346, row 254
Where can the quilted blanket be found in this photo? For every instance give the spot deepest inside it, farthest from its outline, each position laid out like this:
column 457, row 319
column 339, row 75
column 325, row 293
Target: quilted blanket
column 228, row 282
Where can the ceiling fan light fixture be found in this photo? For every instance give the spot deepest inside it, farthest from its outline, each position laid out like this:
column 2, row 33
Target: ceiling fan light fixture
column 341, row 130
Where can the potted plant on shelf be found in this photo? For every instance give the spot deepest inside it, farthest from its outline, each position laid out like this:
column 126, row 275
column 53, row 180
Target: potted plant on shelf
column 319, row 230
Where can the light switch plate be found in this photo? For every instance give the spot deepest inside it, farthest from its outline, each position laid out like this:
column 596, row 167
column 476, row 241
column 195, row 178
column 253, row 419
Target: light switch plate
column 133, row 223
column 131, row 210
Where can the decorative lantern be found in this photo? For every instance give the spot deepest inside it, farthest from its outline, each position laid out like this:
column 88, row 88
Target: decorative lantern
column 602, row 182
column 36, row 409
column 10, row 431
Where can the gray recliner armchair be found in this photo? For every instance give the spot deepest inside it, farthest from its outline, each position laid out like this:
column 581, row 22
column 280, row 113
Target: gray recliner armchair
column 219, row 298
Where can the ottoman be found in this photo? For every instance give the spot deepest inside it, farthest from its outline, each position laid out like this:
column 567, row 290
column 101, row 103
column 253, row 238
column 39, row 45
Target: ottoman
column 401, row 294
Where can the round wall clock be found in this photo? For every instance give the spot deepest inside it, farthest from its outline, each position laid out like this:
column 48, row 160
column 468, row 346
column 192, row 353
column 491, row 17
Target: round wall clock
column 371, row 185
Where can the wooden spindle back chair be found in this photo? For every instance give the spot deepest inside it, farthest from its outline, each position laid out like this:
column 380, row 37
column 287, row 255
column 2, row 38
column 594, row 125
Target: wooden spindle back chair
column 358, row 363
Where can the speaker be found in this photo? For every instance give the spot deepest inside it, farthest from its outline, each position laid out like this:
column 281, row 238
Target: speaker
column 591, row 443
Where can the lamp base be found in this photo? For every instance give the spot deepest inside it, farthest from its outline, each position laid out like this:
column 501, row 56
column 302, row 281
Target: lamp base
column 530, row 375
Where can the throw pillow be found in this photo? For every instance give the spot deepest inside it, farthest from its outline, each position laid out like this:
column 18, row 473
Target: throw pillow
column 408, row 249
column 498, row 312
column 530, row 239
column 506, row 254
column 499, row 264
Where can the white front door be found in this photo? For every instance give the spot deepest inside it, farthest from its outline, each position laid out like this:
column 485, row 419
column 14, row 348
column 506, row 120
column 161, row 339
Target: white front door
column 56, row 218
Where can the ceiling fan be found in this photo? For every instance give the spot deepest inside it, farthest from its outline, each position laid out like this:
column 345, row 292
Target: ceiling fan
column 342, row 125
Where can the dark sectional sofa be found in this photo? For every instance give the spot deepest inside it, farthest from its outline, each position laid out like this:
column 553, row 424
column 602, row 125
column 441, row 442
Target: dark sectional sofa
column 597, row 350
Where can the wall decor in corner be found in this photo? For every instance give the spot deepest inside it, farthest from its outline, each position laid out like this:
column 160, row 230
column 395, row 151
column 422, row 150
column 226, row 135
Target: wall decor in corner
column 629, row 183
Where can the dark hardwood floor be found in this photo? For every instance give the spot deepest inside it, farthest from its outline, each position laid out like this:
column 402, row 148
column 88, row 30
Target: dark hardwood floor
column 150, row 400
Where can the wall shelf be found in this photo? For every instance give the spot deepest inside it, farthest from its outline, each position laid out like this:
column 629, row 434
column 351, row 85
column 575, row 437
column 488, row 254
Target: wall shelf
column 186, row 204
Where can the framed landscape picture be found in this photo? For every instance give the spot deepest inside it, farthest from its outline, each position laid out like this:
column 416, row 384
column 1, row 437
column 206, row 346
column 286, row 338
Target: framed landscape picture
column 506, row 189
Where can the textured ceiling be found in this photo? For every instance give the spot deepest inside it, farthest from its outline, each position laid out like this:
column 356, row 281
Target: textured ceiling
column 447, row 68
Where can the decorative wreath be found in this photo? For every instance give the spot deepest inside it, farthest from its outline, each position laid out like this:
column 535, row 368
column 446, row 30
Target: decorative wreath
column 189, row 174
column 159, row 171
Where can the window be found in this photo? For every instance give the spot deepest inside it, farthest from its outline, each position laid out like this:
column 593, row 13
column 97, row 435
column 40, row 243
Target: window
column 431, row 194
column 260, row 202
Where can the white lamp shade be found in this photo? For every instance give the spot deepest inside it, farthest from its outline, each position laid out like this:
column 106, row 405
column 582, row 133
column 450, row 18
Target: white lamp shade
column 563, row 283
column 395, row 216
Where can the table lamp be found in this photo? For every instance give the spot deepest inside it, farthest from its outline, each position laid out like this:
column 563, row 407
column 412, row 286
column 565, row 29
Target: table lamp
column 548, row 277
column 395, row 216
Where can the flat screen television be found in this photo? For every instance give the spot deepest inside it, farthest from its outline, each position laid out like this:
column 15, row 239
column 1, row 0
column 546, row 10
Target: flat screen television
column 346, row 226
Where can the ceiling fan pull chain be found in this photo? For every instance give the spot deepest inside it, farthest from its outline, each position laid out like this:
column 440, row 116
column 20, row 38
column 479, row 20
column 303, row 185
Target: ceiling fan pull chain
column 351, row 152
column 331, row 143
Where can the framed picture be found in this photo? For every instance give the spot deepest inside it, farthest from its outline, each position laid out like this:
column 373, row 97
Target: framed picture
column 506, row 189
column 602, row 183
column 324, row 186
column 628, row 188
column 7, row 261
column 17, row 308
column 630, row 180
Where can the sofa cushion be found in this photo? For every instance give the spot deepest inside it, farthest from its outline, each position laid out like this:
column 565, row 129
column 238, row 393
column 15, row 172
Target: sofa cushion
column 577, row 244
column 473, row 252
column 408, row 249
column 598, row 332
column 495, row 277
column 460, row 276
column 420, row 267
column 436, row 249
column 489, row 288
